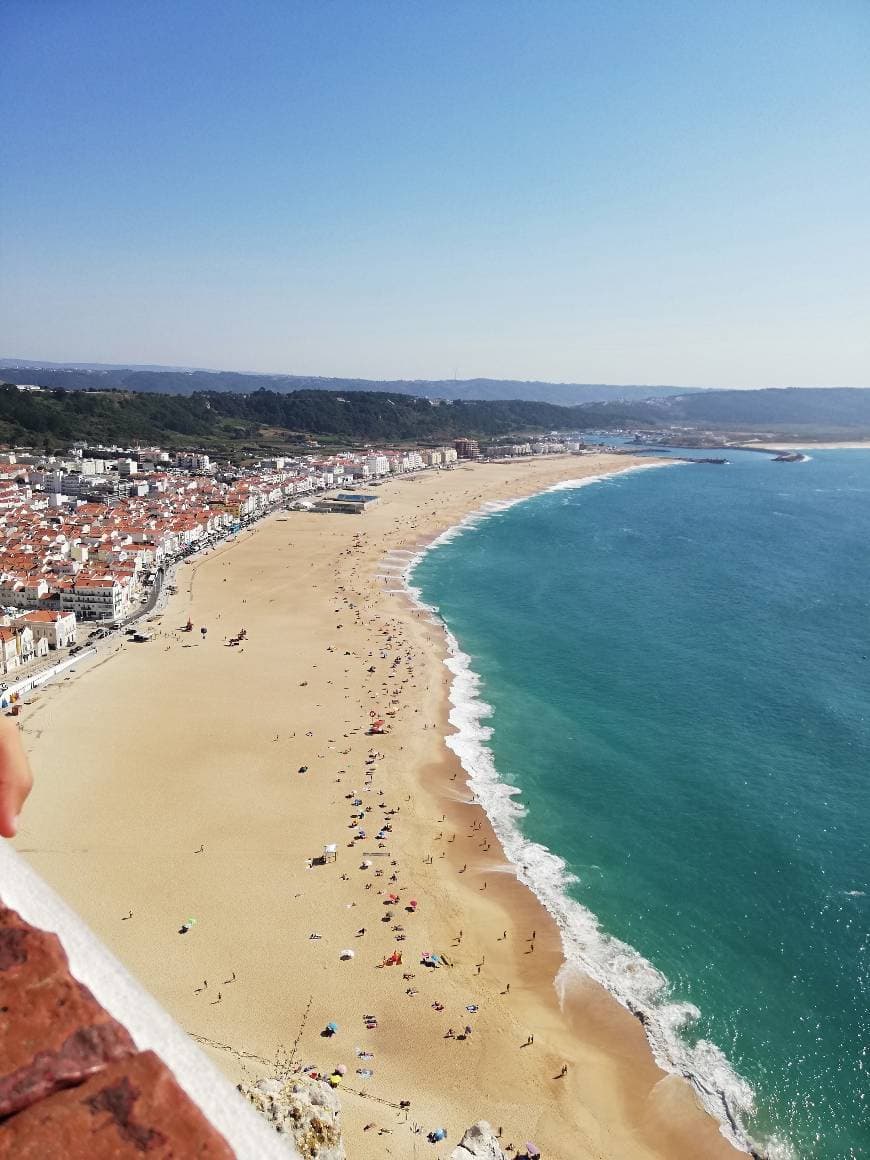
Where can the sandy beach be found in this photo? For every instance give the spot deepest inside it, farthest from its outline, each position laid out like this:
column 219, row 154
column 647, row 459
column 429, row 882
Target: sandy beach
column 190, row 779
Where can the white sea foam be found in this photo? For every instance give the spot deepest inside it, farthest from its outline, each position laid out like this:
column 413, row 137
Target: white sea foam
column 618, row 967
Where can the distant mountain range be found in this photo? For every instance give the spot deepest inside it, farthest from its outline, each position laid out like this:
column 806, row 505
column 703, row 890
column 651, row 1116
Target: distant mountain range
column 823, row 408
column 188, row 380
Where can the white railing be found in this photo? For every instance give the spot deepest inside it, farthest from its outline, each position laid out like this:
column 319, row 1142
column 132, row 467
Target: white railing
column 40, row 678
column 151, row 1027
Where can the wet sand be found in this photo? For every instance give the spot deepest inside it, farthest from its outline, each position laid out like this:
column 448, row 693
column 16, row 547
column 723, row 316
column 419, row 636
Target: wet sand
column 190, row 779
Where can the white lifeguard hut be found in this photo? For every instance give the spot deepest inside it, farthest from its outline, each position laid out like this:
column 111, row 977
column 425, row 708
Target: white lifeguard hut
column 330, row 853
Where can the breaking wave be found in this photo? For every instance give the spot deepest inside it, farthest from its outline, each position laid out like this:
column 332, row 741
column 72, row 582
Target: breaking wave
column 617, row 966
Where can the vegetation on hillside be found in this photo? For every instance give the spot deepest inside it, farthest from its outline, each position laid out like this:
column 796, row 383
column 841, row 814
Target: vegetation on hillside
column 228, row 420
column 214, row 419
column 166, row 380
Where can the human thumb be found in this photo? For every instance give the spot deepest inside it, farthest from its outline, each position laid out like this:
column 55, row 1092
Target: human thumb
column 15, row 777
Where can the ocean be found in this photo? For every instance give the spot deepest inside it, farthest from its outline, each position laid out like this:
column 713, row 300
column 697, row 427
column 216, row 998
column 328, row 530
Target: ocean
column 662, row 695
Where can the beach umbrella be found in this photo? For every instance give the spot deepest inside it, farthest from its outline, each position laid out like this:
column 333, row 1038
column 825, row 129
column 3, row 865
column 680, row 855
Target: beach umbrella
column 347, row 953
column 332, row 1028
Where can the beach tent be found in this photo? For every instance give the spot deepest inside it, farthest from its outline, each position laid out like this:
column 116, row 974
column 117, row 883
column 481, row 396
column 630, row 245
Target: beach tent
column 330, row 852
column 332, row 1028
column 347, row 953
column 533, row 1152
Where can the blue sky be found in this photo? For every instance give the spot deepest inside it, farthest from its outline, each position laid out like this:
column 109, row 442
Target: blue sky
column 649, row 192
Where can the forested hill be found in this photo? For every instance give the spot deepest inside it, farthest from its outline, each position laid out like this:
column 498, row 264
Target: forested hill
column 218, row 418
column 180, row 381
column 222, row 419
column 825, row 408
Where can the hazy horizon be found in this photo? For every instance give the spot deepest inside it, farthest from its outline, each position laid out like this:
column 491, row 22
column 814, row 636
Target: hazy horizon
column 562, row 192
column 85, row 364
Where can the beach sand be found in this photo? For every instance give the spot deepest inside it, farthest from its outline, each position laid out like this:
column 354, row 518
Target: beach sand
column 168, row 785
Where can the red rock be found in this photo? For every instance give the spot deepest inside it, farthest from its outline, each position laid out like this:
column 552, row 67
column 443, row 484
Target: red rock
column 53, row 1033
column 132, row 1109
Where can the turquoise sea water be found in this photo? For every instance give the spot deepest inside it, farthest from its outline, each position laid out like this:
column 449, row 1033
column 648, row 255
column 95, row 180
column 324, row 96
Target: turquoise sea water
column 676, row 663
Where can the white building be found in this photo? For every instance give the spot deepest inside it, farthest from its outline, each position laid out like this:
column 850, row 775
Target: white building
column 377, row 465
column 17, row 647
column 95, row 599
column 58, row 629
column 194, row 462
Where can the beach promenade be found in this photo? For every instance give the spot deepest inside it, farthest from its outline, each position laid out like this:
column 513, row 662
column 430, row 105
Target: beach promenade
column 190, row 785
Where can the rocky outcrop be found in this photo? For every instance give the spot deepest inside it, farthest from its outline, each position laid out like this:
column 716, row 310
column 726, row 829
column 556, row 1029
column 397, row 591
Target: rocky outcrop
column 128, row 1108
column 480, row 1142
column 53, row 1033
column 303, row 1108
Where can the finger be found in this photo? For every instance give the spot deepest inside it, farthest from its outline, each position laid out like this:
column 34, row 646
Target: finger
column 15, row 777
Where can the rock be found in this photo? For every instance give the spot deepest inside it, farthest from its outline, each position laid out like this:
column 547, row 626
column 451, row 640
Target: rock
column 53, row 1033
column 130, row 1108
column 304, row 1108
column 481, row 1142
column 270, row 1087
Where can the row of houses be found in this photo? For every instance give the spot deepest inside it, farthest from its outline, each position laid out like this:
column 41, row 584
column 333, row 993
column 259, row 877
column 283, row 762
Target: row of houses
column 29, row 636
column 63, row 553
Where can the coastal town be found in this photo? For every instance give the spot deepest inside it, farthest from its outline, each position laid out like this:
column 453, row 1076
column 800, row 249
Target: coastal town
column 90, row 535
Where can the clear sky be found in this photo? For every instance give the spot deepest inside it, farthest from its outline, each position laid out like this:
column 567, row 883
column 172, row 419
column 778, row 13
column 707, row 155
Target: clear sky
column 659, row 191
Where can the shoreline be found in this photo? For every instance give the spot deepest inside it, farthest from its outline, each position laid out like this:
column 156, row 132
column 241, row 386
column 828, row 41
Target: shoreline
column 89, row 831
column 466, row 734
